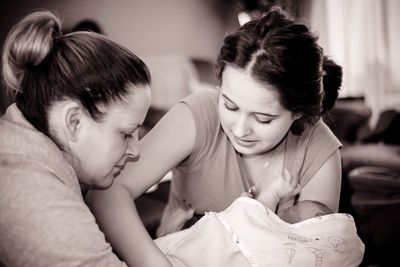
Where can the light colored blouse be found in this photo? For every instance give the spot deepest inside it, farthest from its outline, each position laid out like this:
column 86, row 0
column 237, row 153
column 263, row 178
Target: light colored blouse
column 44, row 220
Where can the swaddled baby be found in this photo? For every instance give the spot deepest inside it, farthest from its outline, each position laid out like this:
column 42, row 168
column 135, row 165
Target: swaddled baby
column 249, row 233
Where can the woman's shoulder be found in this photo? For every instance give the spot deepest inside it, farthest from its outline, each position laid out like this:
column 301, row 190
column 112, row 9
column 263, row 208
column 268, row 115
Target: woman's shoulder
column 322, row 126
column 311, row 148
column 317, row 134
column 204, row 107
column 322, row 132
column 30, row 153
column 206, row 96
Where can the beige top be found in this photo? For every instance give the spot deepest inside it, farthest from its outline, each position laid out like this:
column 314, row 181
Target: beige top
column 44, row 220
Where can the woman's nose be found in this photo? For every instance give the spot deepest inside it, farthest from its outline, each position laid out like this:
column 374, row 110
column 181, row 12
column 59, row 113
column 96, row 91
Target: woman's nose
column 241, row 127
column 133, row 149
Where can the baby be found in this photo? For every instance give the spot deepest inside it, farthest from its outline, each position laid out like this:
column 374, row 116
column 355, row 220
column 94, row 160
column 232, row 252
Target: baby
column 249, row 233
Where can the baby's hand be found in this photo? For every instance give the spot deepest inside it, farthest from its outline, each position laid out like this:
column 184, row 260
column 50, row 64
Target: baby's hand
column 283, row 185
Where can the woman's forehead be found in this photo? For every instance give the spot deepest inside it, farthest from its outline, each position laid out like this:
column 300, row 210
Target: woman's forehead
column 245, row 91
column 132, row 109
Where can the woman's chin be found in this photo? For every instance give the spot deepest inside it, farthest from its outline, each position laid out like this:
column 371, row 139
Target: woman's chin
column 105, row 182
column 244, row 150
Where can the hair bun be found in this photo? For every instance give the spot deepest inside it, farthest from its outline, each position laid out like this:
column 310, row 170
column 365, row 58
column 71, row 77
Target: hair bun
column 29, row 42
column 332, row 81
column 268, row 23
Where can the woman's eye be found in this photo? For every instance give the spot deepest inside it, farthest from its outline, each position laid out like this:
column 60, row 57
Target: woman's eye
column 230, row 107
column 263, row 120
column 126, row 135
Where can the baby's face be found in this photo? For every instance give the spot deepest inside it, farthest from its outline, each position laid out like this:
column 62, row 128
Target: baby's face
column 309, row 209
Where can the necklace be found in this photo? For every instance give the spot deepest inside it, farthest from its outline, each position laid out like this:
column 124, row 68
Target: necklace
column 253, row 190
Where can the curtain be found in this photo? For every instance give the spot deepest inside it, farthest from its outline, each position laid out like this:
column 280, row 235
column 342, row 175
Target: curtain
column 364, row 37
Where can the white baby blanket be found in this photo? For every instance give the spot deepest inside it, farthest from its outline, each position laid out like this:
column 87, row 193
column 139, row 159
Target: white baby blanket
column 248, row 234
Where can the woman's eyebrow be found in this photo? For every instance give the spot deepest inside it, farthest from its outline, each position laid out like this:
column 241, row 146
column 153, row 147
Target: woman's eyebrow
column 131, row 128
column 266, row 114
column 255, row 113
column 227, row 98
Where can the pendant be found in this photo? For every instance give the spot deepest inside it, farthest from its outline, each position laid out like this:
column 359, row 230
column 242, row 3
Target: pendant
column 252, row 191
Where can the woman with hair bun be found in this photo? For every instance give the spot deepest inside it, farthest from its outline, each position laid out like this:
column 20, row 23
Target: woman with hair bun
column 79, row 102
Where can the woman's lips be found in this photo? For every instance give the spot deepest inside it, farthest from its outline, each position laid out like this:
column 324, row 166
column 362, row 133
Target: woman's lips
column 244, row 142
column 119, row 167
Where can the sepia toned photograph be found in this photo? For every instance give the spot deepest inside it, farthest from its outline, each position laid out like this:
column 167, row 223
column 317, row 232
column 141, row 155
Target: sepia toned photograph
column 200, row 133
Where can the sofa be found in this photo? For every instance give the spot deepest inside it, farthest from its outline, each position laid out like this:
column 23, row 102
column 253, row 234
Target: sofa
column 371, row 178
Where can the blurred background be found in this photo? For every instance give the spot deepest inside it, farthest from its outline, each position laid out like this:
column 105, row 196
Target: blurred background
column 180, row 39
column 361, row 35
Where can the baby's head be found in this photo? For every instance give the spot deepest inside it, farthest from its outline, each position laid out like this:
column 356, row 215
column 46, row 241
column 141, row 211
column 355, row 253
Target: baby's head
column 309, row 209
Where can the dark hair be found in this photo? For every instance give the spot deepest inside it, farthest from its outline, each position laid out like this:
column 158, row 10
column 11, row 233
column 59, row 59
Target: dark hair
column 42, row 65
column 280, row 51
column 88, row 25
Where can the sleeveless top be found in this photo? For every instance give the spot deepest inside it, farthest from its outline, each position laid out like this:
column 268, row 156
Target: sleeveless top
column 214, row 174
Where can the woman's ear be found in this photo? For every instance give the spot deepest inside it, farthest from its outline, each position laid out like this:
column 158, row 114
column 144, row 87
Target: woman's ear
column 72, row 119
column 297, row 116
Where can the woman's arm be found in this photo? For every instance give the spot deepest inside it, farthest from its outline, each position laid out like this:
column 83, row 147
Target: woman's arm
column 123, row 227
column 324, row 187
column 169, row 142
column 164, row 147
